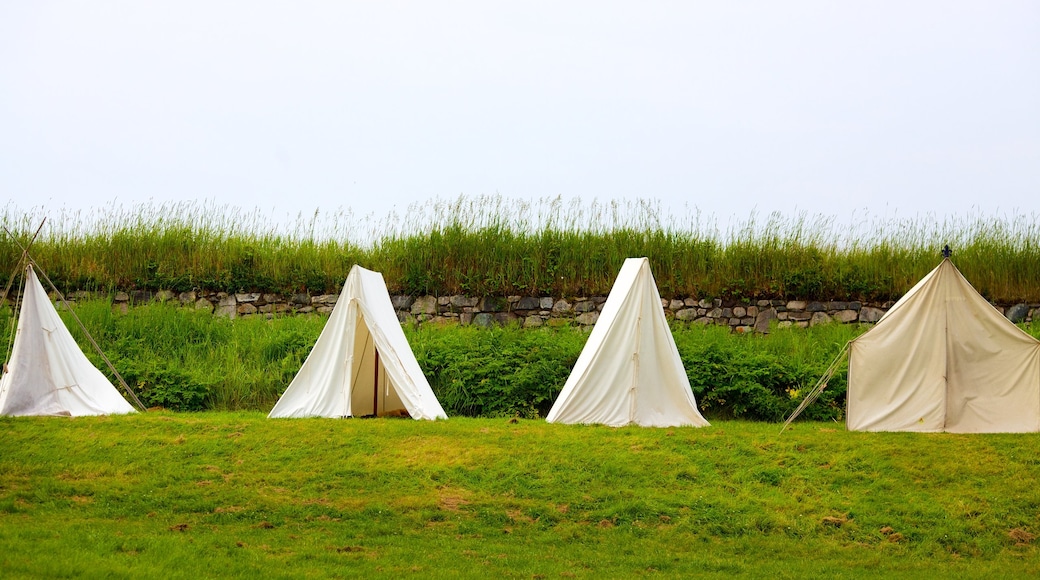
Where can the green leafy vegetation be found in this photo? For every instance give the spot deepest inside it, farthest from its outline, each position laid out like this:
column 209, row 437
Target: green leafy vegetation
column 185, row 360
column 490, row 246
column 237, row 495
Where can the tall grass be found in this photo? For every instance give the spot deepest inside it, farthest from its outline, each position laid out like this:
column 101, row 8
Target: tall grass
column 492, row 245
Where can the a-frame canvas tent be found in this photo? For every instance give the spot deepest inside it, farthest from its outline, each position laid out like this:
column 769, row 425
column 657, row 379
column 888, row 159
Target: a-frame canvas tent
column 943, row 359
column 362, row 363
column 629, row 371
column 48, row 374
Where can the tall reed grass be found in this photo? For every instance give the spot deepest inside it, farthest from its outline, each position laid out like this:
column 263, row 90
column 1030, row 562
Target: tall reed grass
column 493, row 245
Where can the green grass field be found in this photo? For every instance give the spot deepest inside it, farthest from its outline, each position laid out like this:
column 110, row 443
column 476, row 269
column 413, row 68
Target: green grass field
column 237, row 495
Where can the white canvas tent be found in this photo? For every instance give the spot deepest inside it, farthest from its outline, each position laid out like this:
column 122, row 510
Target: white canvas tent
column 362, row 363
column 629, row 371
column 943, row 359
column 48, row 374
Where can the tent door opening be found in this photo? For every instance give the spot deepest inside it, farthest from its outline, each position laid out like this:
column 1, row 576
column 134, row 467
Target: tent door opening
column 373, row 393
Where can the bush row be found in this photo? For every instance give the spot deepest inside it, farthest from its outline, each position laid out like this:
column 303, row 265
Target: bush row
column 185, row 360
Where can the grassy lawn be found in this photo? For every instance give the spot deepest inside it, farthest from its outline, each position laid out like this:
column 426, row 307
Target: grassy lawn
column 236, row 494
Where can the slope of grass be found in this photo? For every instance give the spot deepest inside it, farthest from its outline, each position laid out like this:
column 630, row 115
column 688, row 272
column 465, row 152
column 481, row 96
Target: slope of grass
column 493, row 246
column 235, row 495
column 182, row 359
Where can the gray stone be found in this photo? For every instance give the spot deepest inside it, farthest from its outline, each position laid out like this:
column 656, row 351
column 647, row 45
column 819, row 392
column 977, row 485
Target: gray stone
column 675, row 304
column 727, row 312
column 705, row 303
column 686, row 314
column 715, row 313
column 305, row 310
column 815, row 307
column 300, row 299
column 443, row 300
column 203, row 304
column 425, row 305
column 405, row 317
column 796, row 305
column 323, row 309
column 739, row 311
column 513, row 299
column 835, row 306
column 599, row 300
column 533, row 321
column 246, row 309
column 226, row 310
column 562, row 306
column 466, row 318
column 400, row 302
column 585, row 306
column 187, row 297
column 855, row 306
column 752, row 311
column 483, row 320
column 460, row 301
column 121, row 297
column 588, row 318
column 492, row 304
column 703, row 320
column 269, row 298
column 528, row 303
column 847, row 316
column 799, row 316
column 505, row 318
column 870, row 315
column 545, row 303
column 691, row 302
column 819, row 318
column 247, row 297
column 328, row 299
column 785, row 324
column 1017, row 313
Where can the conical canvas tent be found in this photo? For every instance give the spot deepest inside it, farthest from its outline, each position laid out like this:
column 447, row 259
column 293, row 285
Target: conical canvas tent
column 943, row 359
column 362, row 363
column 629, row 371
column 48, row 374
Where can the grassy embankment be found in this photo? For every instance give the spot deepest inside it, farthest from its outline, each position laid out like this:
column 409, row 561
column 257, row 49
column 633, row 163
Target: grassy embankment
column 234, row 494
column 491, row 246
column 182, row 359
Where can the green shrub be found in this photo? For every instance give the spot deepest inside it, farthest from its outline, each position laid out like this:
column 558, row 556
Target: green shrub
column 498, row 371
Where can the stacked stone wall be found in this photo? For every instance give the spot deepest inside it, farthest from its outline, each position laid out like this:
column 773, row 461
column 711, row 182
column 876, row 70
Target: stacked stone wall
column 532, row 311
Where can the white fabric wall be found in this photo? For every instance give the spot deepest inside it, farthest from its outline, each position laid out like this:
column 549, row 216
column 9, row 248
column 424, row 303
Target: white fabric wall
column 943, row 359
column 337, row 379
column 48, row 373
column 629, row 371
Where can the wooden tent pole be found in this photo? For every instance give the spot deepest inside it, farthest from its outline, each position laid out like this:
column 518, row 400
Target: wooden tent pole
column 375, row 387
column 25, row 253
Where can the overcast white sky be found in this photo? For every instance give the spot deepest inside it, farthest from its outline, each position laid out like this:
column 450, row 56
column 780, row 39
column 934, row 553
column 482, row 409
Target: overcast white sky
column 903, row 107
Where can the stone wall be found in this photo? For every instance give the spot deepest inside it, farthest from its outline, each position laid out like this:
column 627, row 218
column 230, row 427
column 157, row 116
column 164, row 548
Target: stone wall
column 528, row 311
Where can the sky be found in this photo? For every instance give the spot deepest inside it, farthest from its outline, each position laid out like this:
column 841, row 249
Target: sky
column 897, row 108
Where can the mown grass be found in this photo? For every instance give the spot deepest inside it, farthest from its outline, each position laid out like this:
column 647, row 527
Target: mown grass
column 235, row 494
column 494, row 246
